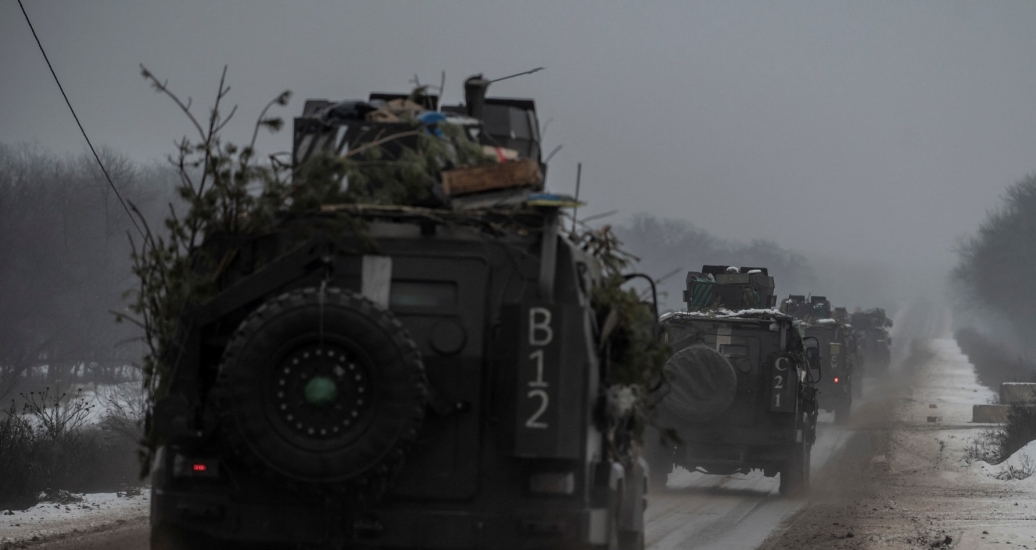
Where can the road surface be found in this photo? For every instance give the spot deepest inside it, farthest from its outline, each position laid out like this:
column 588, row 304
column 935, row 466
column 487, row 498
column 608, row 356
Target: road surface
column 729, row 512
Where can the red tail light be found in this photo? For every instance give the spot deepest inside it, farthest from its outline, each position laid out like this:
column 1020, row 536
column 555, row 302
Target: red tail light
column 836, row 380
column 195, row 467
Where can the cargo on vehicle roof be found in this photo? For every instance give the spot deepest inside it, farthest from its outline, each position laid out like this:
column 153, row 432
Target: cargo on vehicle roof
column 734, row 288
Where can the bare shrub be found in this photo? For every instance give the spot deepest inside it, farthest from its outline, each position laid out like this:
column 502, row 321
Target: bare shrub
column 995, row 365
column 57, row 414
column 17, row 442
column 124, row 413
column 997, row 444
column 1026, row 467
column 985, row 447
column 48, row 452
column 1018, row 432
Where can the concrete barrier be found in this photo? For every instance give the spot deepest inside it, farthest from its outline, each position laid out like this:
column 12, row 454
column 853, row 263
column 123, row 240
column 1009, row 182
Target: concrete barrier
column 1011, row 394
column 989, row 414
column 1017, row 393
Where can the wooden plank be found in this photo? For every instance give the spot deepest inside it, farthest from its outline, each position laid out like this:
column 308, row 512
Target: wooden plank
column 475, row 179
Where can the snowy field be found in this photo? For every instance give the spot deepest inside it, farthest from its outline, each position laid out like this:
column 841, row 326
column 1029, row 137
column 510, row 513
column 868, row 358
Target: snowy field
column 46, row 521
column 112, row 407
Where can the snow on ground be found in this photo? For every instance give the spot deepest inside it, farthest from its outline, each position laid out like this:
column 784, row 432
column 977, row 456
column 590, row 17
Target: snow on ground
column 48, row 520
column 928, row 458
column 944, row 401
column 1021, row 463
column 1022, row 458
column 955, row 390
column 953, row 386
column 905, row 482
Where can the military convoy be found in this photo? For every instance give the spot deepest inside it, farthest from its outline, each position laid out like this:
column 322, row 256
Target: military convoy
column 739, row 393
column 841, row 381
column 442, row 380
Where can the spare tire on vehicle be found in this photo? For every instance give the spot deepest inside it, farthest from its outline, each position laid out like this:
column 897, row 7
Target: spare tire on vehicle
column 702, row 383
column 321, row 387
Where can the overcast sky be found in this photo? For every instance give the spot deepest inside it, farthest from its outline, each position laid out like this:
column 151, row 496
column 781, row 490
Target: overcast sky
column 876, row 130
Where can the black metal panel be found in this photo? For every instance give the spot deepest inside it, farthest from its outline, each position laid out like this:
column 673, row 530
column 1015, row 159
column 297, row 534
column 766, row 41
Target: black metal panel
column 545, row 380
column 784, row 382
column 450, row 337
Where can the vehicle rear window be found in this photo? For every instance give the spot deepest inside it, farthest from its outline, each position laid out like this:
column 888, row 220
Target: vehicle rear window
column 734, row 350
column 423, row 293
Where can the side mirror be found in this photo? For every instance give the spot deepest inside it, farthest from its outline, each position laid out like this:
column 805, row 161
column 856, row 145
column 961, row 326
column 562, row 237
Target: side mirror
column 653, row 304
column 813, row 354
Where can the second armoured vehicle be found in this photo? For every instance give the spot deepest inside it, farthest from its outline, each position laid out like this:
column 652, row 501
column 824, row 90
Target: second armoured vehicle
column 840, row 383
column 741, row 394
column 438, row 381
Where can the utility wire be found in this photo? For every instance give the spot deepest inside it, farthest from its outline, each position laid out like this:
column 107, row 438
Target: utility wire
column 87, row 138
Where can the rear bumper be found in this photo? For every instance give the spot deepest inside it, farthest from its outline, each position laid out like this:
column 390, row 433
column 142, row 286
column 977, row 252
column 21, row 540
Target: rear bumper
column 831, row 395
column 737, row 448
column 219, row 517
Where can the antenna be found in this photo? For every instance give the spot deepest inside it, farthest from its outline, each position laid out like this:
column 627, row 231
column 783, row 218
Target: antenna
column 552, row 153
column 599, row 216
column 536, row 70
column 575, row 209
column 442, row 92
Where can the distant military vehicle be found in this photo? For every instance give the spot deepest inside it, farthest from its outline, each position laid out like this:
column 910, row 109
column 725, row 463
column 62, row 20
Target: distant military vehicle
column 871, row 328
column 802, row 308
column 839, row 383
column 841, row 315
column 741, row 395
column 437, row 383
column 839, row 380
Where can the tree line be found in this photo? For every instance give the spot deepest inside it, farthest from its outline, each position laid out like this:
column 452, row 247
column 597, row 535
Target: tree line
column 996, row 267
column 669, row 248
column 66, row 259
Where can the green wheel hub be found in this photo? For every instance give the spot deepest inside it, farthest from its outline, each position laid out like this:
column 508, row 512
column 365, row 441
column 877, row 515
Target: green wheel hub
column 321, row 391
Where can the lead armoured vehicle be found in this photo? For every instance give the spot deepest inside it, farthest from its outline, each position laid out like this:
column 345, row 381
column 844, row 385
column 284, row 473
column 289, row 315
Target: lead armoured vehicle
column 741, row 394
column 437, row 383
column 840, row 382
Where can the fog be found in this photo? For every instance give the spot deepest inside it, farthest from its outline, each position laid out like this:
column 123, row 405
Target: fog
column 867, row 137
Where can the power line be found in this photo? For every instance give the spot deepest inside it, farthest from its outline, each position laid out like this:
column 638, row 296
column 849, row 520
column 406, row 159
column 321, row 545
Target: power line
column 87, row 138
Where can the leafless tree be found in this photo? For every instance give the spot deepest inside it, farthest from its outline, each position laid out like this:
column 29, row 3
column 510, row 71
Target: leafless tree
column 66, row 260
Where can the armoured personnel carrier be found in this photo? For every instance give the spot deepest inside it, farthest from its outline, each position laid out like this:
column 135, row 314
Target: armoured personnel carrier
column 741, row 394
column 871, row 328
column 838, row 386
column 436, row 382
column 841, row 315
column 815, row 318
